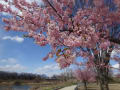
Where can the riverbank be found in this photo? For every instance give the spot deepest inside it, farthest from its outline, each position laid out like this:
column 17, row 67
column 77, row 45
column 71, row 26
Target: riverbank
column 44, row 85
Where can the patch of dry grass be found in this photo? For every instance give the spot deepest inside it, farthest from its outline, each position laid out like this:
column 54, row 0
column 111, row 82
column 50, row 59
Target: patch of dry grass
column 52, row 86
column 96, row 87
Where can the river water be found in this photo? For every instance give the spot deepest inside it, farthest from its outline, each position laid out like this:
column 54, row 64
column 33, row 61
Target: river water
column 15, row 87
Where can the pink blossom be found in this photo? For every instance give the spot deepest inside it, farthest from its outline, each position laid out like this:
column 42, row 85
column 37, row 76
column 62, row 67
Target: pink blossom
column 85, row 75
column 1, row 7
column 104, row 45
column 65, row 61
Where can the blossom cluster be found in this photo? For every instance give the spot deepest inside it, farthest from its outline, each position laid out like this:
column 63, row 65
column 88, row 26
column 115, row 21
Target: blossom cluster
column 56, row 23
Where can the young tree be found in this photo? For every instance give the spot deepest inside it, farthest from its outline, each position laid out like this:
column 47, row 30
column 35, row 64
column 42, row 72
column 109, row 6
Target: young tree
column 73, row 28
column 85, row 76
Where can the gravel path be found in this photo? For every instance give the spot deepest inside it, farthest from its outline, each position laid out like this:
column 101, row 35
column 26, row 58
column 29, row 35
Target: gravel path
column 69, row 88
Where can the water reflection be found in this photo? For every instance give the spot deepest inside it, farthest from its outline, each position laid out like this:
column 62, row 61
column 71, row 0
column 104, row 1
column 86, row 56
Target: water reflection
column 22, row 87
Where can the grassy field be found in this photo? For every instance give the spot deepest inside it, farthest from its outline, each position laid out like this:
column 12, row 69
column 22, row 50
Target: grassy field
column 55, row 85
column 52, row 86
column 96, row 87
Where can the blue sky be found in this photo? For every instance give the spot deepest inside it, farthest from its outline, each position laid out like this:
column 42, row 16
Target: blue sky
column 23, row 52
column 18, row 54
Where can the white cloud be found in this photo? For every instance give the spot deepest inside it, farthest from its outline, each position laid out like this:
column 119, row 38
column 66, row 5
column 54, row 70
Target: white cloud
column 116, row 66
column 12, row 65
column 13, row 68
column 49, row 70
column 115, row 52
column 115, row 69
column 9, row 60
column 15, row 38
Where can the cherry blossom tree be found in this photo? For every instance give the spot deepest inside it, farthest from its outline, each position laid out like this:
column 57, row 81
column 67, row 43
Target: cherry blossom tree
column 85, row 75
column 73, row 28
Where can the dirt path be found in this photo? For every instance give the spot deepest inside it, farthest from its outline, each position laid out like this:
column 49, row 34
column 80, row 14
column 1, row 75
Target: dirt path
column 69, row 88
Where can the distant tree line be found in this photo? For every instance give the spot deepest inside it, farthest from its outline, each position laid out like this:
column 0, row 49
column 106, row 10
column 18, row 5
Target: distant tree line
column 5, row 76
column 20, row 76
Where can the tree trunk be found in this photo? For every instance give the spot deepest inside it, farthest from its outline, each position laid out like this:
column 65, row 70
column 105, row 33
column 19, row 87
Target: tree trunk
column 106, row 78
column 103, row 78
column 101, row 85
column 106, row 86
column 102, row 70
column 85, row 85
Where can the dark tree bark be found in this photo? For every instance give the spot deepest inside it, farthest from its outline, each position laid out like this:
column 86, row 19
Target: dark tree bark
column 103, row 78
column 103, row 71
column 85, row 85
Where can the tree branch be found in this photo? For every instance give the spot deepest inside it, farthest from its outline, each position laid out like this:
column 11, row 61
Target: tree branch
column 54, row 9
column 117, row 41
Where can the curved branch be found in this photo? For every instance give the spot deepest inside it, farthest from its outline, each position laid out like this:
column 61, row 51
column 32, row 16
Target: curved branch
column 54, row 9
